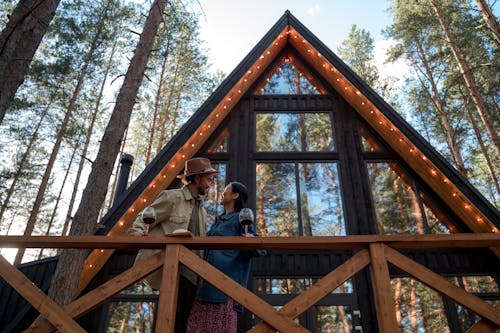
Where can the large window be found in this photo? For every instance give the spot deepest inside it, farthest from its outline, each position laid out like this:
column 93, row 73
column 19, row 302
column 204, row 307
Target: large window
column 398, row 208
column 294, row 132
column 299, row 199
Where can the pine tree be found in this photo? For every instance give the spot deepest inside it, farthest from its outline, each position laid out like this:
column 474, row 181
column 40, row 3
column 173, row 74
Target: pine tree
column 18, row 42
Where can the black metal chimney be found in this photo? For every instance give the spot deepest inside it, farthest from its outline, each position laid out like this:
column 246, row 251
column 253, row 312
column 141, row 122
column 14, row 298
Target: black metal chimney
column 126, row 162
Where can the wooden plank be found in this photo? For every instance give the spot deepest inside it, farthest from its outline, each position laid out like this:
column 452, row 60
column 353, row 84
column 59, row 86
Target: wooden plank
column 239, row 294
column 466, row 240
column 96, row 297
column 443, row 286
column 381, row 283
column 167, row 305
column 320, row 289
column 483, row 326
column 48, row 308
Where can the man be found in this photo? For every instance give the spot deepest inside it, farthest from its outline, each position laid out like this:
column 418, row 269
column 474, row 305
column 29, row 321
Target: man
column 179, row 209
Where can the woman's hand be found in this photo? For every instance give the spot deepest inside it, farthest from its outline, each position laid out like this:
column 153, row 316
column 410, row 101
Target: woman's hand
column 248, row 235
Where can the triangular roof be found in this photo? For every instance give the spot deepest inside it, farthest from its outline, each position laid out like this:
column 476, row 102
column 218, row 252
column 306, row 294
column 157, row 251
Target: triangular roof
column 462, row 198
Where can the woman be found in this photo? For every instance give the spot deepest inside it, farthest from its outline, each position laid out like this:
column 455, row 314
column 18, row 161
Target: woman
column 212, row 310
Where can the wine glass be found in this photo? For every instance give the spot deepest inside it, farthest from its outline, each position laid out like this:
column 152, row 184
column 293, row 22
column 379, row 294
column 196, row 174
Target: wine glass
column 148, row 216
column 246, row 218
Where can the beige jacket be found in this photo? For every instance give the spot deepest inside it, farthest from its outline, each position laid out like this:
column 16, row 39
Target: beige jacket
column 173, row 211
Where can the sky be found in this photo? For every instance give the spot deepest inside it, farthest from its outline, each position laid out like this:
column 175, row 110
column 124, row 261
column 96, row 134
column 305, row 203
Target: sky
column 232, row 28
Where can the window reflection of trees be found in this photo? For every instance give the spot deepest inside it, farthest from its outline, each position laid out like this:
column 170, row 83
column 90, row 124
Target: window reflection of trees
column 333, row 319
column 398, row 208
column 133, row 316
column 294, row 132
column 292, row 286
column 312, row 209
column 418, row 308
column 288, row 80
column 211, row 203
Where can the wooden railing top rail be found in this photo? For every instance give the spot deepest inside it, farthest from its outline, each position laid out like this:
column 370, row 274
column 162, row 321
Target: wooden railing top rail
column 473, row 240
column 375, row 251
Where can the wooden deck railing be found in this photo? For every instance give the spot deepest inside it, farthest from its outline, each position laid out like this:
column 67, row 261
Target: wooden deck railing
column 373, row 250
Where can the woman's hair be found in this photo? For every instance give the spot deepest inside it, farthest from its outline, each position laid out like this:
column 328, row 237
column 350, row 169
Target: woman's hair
column 237, row 187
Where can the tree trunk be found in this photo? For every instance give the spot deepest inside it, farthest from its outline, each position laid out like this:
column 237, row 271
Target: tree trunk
column 152, row 130
column 440, row 108
column 413, row 313
column 468, row 78
column 18, row 43
column 490, row 19
column 117, row 175
column 88, row 135
column 54, row 211
column 397, row 301
column 484, row 150
column 65, row 280
column 166, row 110
column 21, row 164
column 69, row 111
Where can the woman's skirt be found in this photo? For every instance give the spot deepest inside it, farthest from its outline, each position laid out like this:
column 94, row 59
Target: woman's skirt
column 206, row 317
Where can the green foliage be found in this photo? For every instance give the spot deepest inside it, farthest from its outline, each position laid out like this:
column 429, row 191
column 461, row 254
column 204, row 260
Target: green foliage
column 421, row 42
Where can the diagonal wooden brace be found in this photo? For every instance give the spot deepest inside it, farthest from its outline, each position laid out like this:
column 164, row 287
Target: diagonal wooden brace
column 320, row 289
column 239, row 294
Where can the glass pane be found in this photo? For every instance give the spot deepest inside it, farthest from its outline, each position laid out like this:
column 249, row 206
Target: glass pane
column 220, row 145
column 294, row 132
column 418, row 308
column 477, row 284
column 287, row 80
column 468, row 318
column 321, row 202
column 140, row 288
column 294, row 286
column 435, row 225
column 211, row 201
column 396, row 204
column 276, row 200
column 131, row 317
column 368, row 142
column 333, row 319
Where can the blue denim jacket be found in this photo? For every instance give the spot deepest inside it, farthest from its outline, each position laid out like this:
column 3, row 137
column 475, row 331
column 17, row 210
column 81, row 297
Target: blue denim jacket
column 233, row 263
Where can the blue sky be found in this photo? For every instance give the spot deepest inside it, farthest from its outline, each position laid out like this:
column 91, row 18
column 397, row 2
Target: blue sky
column 232, row 28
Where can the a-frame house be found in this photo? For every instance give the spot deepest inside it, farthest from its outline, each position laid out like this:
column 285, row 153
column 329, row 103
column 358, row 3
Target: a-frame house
column 322, row 155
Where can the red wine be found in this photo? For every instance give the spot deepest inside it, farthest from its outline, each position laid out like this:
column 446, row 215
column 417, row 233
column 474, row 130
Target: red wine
column 246, row 222
column 148, row 220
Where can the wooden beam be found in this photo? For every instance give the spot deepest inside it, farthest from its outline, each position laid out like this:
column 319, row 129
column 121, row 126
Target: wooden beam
column 466, row 240
column 167, row 305
column 239, row 294
column 96, row 297
column 443, row 286
column 48, row 308
column 381, row 285
column 483, row 326
column 320, row 289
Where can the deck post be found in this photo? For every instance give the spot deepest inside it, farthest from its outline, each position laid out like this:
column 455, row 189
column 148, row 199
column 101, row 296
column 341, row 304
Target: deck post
column 381, row 284
column 167, row 305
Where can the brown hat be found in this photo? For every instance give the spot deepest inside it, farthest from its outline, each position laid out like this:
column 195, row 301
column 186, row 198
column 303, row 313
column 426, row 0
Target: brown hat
column 197, row 166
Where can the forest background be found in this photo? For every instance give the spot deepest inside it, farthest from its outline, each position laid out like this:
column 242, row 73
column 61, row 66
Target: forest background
column 51, row 132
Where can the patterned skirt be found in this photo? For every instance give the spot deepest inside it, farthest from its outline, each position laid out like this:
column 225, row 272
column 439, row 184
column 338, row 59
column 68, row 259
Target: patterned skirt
column 208, row 317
